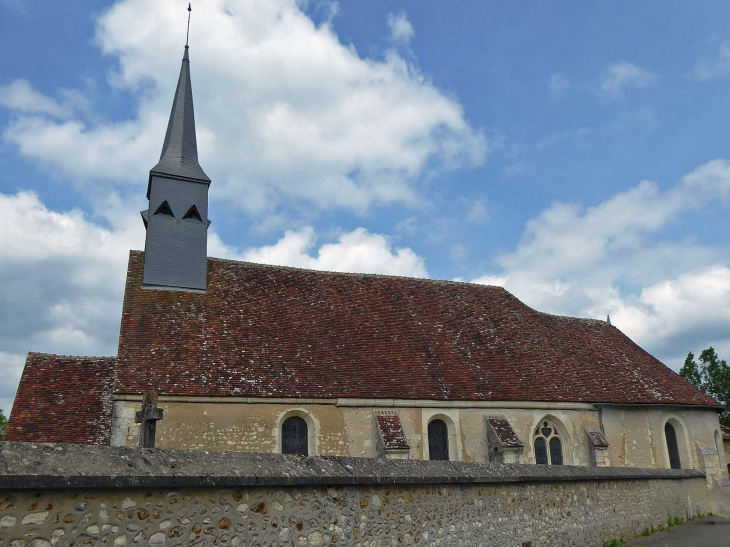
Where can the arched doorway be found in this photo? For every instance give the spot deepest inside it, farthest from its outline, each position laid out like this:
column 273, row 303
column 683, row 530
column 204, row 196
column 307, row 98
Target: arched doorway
column 438, row 440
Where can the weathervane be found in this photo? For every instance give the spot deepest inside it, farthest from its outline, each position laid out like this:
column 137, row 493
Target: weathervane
column 187, row 37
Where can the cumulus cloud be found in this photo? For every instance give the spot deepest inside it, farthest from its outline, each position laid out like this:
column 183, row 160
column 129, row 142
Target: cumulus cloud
column 11, row 367
column 358, row 251
column 401, row 30
column 621, row 75
column 20, row 96
column 669, row 296
column 61, row 283
column 286, row 113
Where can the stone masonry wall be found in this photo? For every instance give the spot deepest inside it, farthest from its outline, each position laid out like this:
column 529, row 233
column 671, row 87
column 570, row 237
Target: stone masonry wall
column 635, row 434
column 91, row 496
column 570, row 513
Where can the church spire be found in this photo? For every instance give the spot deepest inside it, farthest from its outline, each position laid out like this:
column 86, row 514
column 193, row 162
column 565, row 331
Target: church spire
column 180, row 151
column 177, row 218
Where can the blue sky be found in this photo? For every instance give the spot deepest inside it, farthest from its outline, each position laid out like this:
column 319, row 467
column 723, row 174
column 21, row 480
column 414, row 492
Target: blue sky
column 575, row 153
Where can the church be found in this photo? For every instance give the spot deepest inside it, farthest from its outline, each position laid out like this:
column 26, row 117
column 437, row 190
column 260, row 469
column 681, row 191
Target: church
column 220, row 355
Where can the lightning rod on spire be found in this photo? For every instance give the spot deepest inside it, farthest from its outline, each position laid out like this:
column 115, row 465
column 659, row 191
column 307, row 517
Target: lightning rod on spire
column 187, row 37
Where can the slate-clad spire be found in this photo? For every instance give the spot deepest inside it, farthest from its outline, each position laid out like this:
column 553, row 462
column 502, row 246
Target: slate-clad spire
column 177, row 217
column 180, row 151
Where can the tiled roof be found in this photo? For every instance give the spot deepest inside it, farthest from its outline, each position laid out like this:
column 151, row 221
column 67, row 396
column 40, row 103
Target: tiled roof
column 269, row 331
column 391, row 430
column 725, row 433
column 596, row 437
column 63, row 399
column 504, row 432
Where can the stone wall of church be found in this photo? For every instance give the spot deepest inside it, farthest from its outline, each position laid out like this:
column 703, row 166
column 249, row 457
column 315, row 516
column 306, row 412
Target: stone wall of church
column 635, row 434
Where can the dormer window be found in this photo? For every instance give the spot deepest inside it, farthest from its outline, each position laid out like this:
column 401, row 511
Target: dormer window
column 193, row 213
column 164, row 209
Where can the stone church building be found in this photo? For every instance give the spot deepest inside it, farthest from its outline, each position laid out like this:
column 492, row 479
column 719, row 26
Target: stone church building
column 258, row 358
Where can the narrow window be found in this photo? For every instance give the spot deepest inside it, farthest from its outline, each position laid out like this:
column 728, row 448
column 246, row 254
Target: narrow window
column 438, row 440
column 541, row 455
column 193, row 213
column 164, row 209
column 672, row 447
column 556, row 451
column 294, row 436
column 547, row 443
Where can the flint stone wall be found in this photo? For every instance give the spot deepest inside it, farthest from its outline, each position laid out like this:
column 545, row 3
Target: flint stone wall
column 77, row 495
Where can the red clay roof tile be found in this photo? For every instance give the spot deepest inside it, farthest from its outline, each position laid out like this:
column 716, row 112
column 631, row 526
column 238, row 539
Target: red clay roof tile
column 391, row 430
column 63, row 399
column 268, row 331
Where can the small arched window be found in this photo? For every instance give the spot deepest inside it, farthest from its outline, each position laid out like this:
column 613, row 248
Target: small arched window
column 548, row 446
column 294, row 436
column 672, row 447
column 438, row 440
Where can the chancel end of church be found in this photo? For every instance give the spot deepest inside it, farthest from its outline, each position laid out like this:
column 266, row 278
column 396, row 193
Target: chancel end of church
column 221, row 355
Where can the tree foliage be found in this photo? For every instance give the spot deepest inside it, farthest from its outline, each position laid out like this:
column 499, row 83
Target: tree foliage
column 3, row 425
column 711, row 375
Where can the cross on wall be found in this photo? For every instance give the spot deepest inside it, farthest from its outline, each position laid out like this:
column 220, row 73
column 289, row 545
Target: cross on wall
column 148, row 418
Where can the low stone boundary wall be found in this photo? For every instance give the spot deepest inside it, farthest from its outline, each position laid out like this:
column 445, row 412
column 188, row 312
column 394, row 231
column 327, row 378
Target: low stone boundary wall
column 78, row 495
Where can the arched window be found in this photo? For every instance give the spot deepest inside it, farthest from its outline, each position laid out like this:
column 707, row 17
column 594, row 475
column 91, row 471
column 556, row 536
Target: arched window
column 672, row 447
column 438, row 440
column 547, row 443
column 294, row 436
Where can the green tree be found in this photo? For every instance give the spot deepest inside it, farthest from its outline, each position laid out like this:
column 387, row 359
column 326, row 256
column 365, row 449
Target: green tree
column 690, row 371
column 711, row 375
column 3, row 425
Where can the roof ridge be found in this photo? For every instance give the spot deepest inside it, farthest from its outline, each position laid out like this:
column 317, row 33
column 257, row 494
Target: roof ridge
column 44, row 355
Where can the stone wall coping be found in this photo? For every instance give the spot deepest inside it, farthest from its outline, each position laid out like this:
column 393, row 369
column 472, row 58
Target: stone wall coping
column 35, row 466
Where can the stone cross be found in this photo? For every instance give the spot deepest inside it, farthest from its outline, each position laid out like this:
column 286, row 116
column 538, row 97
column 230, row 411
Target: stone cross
column 148, row 417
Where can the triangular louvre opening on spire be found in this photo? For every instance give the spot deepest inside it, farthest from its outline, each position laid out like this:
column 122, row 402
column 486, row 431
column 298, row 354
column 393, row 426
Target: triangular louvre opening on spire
column 193, row 213
column 164, row 209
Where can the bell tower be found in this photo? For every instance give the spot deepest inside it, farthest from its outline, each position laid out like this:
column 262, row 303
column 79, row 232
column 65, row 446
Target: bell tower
column 176, row 244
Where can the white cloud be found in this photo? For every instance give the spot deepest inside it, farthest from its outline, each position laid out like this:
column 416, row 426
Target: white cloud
column 493, row 280
column 717, row 67
column 401, row 30
column 286, row 113
column 558, row 85
column 20, row 96
column 61, row 282
column 357, row 251
column 621, row 75
column 669, row 296
column 11, row 367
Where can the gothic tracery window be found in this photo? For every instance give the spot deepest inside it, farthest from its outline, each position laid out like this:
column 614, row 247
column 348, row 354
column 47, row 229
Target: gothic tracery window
column 548, row 445
column 294, row 436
